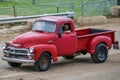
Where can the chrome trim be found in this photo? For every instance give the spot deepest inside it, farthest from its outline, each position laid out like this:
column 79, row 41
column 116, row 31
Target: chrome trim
column 18, row 48
column 16, row 45
column 27, row 57
column 17, row 60
column 15, row 53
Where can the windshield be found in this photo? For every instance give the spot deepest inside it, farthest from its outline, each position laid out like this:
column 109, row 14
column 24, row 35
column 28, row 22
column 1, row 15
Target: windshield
column 44, row 26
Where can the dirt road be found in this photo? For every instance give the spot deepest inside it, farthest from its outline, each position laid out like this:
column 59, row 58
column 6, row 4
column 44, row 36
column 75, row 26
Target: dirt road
column 80, row 68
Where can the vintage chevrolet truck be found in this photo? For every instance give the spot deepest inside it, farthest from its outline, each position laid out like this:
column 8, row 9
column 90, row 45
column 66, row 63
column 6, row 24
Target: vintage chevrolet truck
column 52, row 37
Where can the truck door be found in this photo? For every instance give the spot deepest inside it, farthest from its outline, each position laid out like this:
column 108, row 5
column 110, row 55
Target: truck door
column 67, row 43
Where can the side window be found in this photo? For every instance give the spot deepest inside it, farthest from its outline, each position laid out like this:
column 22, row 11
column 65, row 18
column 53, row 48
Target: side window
column 66, row 28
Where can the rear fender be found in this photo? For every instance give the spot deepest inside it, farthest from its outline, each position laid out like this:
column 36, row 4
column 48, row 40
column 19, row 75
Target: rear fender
column 99, row 39
column 51, row 49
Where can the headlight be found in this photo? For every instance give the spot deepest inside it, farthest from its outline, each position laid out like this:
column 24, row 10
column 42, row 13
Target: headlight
column 31, row 49
column 5, row 46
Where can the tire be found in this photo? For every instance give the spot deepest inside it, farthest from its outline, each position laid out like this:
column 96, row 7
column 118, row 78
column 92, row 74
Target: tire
column 69, row 57
column 101, row 53
column 43, row 63
column 12, row 64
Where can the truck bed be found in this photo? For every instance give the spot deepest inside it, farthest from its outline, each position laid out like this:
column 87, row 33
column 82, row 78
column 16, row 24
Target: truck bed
column 85, row 35
column 89, row 31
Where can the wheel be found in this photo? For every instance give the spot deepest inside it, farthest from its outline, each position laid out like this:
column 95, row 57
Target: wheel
column 12, row 64
column 69, row 57
column 101, row 53
column 43, row 63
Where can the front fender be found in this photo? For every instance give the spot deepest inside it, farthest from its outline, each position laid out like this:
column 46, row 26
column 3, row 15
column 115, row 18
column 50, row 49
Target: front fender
column 39, row 49
column 99, row 39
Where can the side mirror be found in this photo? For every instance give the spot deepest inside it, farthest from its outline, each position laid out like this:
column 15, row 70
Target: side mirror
column 60, row 32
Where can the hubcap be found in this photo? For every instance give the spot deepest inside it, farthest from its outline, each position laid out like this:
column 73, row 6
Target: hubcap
column 44, row 62
column 101, row 54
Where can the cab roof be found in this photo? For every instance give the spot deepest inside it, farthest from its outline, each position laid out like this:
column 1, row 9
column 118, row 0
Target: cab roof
column 54, row 18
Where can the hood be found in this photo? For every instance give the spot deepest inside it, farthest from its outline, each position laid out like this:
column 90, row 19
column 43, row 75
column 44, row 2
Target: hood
column 32, row 38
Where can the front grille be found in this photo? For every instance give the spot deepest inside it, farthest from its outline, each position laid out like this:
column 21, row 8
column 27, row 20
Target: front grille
column 16, row 51
column 17, row 56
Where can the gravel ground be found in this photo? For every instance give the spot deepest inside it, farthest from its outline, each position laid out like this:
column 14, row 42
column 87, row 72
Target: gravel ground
column 80, row 68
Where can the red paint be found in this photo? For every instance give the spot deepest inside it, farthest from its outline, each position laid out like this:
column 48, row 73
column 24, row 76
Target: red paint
column 69, row 43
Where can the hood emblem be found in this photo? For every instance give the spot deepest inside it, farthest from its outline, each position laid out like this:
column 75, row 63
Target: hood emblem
column 16, row 45
column 50, row 41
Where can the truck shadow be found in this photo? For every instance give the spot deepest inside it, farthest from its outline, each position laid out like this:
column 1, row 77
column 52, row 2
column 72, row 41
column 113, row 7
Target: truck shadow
column 75, row 61
column 62, row 63
column 23, row 68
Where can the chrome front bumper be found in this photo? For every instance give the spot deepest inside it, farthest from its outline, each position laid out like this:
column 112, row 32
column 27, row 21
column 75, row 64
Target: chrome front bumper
column 17, row 60
column 17, row 55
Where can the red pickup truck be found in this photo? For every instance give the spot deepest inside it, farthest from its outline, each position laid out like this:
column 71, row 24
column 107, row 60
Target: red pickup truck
column 54, row 36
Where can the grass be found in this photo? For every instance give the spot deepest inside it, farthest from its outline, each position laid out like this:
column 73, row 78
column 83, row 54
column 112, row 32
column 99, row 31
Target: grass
column 27, row 8
column 10, row 4
column 29, row 2
column 6, row 8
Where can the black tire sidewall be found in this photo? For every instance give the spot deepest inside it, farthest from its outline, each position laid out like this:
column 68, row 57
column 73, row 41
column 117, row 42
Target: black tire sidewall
column 95, row 56
column 39, row 67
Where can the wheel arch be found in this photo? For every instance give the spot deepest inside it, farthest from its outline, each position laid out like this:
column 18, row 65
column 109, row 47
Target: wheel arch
column 101, row 53
column 96, row 41
column 50, row 49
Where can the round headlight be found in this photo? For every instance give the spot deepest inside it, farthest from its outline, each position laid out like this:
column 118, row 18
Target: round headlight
column 31, row 50
column 4, row 46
